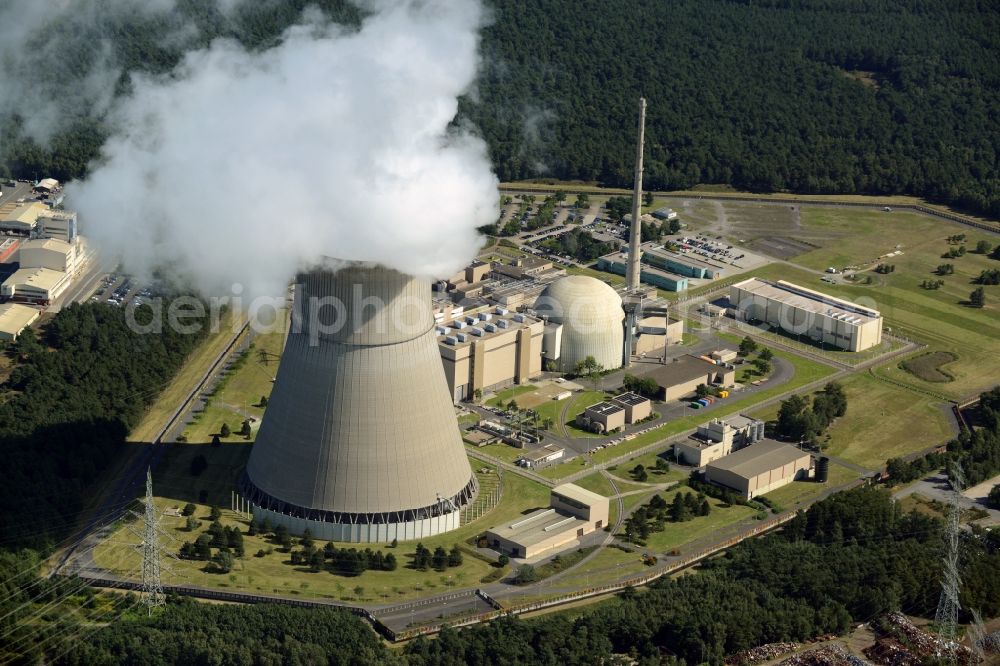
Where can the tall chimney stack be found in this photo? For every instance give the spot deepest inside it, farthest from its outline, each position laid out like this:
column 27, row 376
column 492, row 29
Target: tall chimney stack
column 634, row 254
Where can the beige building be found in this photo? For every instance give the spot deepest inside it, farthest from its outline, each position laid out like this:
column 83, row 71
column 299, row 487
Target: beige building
column 35, row 285
column 680, row 377
column 489, row 351
column 524, row 267
column 636, row 407
column 800, row 311
column 51, row 253
column 760, row 468
column 573, row 513
column 542, row 456
column 718, row 438
column 657, row 332
column 603, row 417
column 14, row 318
column 21, row 217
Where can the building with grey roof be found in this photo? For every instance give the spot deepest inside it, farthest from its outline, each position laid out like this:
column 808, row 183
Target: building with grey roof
column 760, row 468
column 360, row 440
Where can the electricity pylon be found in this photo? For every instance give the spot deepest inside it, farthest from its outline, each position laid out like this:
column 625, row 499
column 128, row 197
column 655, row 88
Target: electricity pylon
column 151, row 594
column 946, row 617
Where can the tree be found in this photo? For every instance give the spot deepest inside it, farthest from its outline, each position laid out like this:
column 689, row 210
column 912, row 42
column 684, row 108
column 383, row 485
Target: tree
column 702, row 390
column 216, row 441
column 679, row 510
column 792, row 422
column 639, row 473
column 477, row 395
column 762, row 365
column 245, row 429
column 993, row 499
column 590, row 368
column 214, row 514
column 203, row 547
column 389, row 563
column 191, row 523
column 747, row 346
column 705, row 508
column 675, row 227
column 582, row 200
column 525, row 574
column 503, row 560
column 647, row 198
column 224, row 430
column 983, row 247
column 765, row 354
column 421, row 558
column 455, row 557
column 394, row 543
column 306, row 541
column 189, row 509
column 440, row 559
column 977, row 298
column 263, row 401
column 662, row 466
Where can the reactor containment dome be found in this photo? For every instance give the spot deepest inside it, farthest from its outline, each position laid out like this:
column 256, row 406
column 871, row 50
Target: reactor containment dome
column 360, row 441
column 591, row 316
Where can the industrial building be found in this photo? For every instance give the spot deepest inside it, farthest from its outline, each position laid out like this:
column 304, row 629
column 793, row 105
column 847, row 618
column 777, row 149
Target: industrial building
column 21, row 217
column 680, row 377
column 617, row 263
column 543, row 456
column 684, row 264
column 51, row 253
column 604, row 417
column 760, row 468
column 800, row 311
column 573, row 513
column 360, row 441
column 636, row 406
column 8, row 248
column 58, row 224
column 584, row 317
column 719, row 438
column 489, row 351
column 35, row 285
column 14, row 318
column 657, row 332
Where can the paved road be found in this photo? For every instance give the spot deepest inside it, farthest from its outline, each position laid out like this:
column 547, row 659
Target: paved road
column 937, row 487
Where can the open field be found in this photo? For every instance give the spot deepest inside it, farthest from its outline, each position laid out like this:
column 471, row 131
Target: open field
column 508, row 393
column 272, row 573
column 191, row 372
column 237, row 396
column 883, row 421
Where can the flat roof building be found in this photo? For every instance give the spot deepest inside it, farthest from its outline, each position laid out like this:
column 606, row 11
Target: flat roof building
column 617, row 261
column 602, row 417
column 489, row 351
column 573, row 513
column 59, row 224
column 14, row 318
column 35, row 285
column 681, row 377
column 546, row 454
column 51, row 253
column 760, row 468
column 656, row 332
column 801, row 311
column 636, row 406
column 718, row 438
column 8, row 248
column 682, row 263
column 22, row 217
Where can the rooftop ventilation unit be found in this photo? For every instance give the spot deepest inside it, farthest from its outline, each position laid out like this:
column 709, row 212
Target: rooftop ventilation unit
column 475, row 330
column 470, row 320
column 519, row 318
column 458, row 324
column 451, row 340
column 503, row 323
column 490, row 328
column 441, row 330
column 485, row 316
column 462, row 337
column 501, row 311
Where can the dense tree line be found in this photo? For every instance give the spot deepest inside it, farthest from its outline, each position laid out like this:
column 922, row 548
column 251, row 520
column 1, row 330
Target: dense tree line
column 812, row 96
column 801, row 418
column 67, row 406
column 579, row 244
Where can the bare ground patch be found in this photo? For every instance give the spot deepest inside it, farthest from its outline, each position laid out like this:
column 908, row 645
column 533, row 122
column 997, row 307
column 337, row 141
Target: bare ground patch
column 928, row 367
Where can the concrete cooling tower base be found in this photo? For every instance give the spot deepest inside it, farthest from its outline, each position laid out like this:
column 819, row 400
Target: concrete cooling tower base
column 360, row 442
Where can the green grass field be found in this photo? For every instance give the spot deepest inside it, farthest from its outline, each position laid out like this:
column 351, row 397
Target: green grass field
column 272, row 573
column 675, row 535
column 508, row 393
column 883, row 421
column 177, row 390
column 798, row 493
column 237, row 397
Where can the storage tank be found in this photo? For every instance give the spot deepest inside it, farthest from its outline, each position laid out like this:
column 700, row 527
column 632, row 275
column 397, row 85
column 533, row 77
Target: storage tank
column 822, row 469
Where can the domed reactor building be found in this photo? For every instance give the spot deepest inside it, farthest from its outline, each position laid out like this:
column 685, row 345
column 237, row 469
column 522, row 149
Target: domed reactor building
column 360, row 441
column 590, row 318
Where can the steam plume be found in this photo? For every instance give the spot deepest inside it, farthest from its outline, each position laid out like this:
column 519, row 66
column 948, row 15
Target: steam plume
column 243, row 167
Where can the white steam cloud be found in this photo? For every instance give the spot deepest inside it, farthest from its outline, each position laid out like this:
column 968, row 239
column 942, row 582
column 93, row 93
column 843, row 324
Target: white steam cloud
column 242, row 167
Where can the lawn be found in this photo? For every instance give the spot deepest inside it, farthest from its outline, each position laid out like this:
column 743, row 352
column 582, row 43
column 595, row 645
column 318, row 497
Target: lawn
column 177, row 391
column 508, row 393
column 597, row 483
column 676, row 535
column 237, row 396
column 883, row 421
column 273, row 574
column 504, row 452
column 579, row 401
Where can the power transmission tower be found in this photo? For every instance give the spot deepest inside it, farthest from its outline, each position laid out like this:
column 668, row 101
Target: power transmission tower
column 152, row 587
column 946, row 617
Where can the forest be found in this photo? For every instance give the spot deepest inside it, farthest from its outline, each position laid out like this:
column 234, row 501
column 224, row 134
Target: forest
column 849, row 559
column 811, row 96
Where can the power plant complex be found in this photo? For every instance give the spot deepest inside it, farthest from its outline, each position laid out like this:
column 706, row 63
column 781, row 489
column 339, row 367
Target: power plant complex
column 360, row 441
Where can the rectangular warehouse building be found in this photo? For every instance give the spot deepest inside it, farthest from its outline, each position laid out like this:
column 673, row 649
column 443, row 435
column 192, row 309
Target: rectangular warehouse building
column 14, row 318
column 681, row 377
column 573, row 512
column 802, row 311
column 759, row 468
column 490, row 351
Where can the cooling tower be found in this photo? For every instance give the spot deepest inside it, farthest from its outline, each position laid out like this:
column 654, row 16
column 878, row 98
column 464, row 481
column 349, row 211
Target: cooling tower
column 360, row 441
